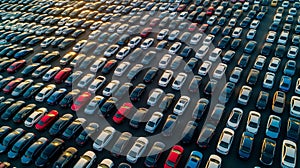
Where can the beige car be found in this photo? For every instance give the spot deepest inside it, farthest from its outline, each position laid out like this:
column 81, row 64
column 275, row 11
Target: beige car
column 278, row 102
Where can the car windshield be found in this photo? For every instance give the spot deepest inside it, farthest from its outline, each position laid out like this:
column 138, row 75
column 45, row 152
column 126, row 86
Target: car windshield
column 171, row 164
column 151, row 124
column 224, row 144
column 289, row 159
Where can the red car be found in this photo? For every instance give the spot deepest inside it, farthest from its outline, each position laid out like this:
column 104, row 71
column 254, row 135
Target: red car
column 181, row 7
column 122, row 113
column 154, row 22
column 210, row 11
column 11, row 85
column 46, row 120
column 146, row 32
column 81, row 101
column 62, row 75
column 192, row 27
column 174, row 157
column 15, row 66
column 203, row 28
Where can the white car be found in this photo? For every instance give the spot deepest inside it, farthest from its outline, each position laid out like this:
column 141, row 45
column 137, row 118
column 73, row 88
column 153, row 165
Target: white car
column 97, row 84
column 245, row 6
column 295, row 106
column 211, row 20
column 196, row 38
column 225, row 141
column 163, row 63
column 269, row 80
column 179, row 81
column 253, row 122
column 297, row 87
column 288, row 154
column 214, row 161
column 45, row 93
column 271, row 36
column 204, row 68
column 35, row 117
column 254, row 24
column 134, row 41
column 259, row 62
column 47, row 41
column 165, row 78
column 293, row 52
column 154, row 96
column 162, row 34
column 283, row 37
column 51, row 73
column 235, row 74
column 79, row 45
column 277, row 17
column 202, row 52
column 99, row 63
column 251, row 34
column 215, row 54
column 111, row 50
column 86, row 160
column 94, row 104
column 121, row 68
column 86, row 80
column 153, row 122
column 181, row 105
column 244, row 95
column 208, row 39
column 110, row 88
column 122, row 53
column 94, row 34
column 274, row 64
column 104, row 138
column 137, row 149
column 122, row 28
column 174, row 48
column 237, row 32
column 285, row 4
column 106, row 163
column 147, row 43
column 220, row 70
column 232, row 22
column 234, row 118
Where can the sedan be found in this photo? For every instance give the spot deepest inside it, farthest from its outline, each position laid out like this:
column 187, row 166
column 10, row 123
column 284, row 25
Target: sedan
column 87, row 133
column 225, row 141
column 246, row 145
column 267, row 151
column 60, row 124
column 273, row 127
column 81, row 101
column 65, row 157
column 288, row 154
column 73, row 128
column 46, row 120
column 153, row 122
column 174, row 157
column 137, row 149
column 86, row 160
column 244, row 95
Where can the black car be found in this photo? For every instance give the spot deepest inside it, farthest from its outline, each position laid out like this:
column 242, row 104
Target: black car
column 250, row 46
column 51, row 151
column 21, row 145
column 266, row 49
column 243, row 61
column 34, row 150
column 215, row 30
column 227, row 30
column 32, row 90
column 191, row 64
column 67, row 101
column 66, row 43
column 195, row 83
column 12, row 109
column 188, row 132
column 56, row 96
column 200, row 108
column 108, row 107
column 87, row 133
column 4, row 130
column 57, row 41
column 235, row 43
column 267, row 151
column 5, row 104
column 60, row 124
column 138, row 117
column 166, row 102
column 274, row 26
column 186, row 51
column 246, row 145
column 73, row 128
column 206, row 135
column 77, row 33
column 280, row 51
column 10, row 139
column 36, row 40
column 65, row 157
column 23, row 113
column 137, row 92
column 6, row 63
column 150, row 75
column 154, row 154
column 226, row 92
column 50, row 57
column 252, row 77
column 293, row 129
column 224, row 42
column 30, row 68
column 262, row 100
column 38, row 56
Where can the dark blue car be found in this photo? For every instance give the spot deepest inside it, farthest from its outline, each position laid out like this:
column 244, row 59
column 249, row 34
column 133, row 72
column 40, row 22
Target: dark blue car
column 246, row 145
